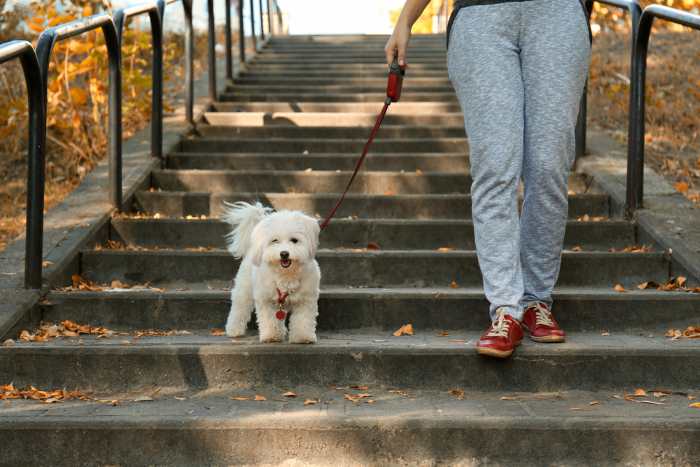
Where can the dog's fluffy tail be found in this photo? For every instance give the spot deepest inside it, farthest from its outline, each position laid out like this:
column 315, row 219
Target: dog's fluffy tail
column 243, row 217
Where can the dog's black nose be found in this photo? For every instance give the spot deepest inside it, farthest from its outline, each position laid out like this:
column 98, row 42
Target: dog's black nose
column 284, row 254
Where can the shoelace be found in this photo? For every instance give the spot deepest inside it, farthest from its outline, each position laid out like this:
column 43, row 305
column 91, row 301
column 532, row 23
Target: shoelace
column 500, row 327
column 542, row 315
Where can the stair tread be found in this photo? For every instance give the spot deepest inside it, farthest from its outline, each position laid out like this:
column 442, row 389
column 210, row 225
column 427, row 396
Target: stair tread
column 433, row 408
column 423, row 342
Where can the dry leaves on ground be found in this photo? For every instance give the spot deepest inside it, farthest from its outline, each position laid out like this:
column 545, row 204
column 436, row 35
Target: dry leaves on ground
column 66, row 328
column 587, row 218
column 691, row 332
column 9, row 391
column 373, row 246
column 405, row 330
column 311, row 402
column 362, row 397
column 457, row 393
column 677, row 283
column 619, row 288
column 632, row 249
column 217, row 332
column 80, row 283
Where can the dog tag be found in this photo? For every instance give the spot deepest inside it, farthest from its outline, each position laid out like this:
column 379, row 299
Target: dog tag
column 281, row 314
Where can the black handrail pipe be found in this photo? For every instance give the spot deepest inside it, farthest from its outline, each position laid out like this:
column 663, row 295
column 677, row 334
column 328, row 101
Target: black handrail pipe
column 262, row 21
column 155, row 9
column 211, row 55
column 36, row 150
column 252, row 25
column 45, row 45
column 635, row 137
column 269, row 19
column 635, row 11
column 241, row 32
column 189, row 58
column 228, row 42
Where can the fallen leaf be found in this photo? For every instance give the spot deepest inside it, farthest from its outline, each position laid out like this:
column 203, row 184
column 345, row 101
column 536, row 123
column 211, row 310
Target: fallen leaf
column 619, row 288
column 577, row 248
column 406, row 329
column 311, row 402
column 694, row 405
column 443, row 334
column 8, row 343
column 373, row 246
column 639, row 392
column 454, row 285
column 143, row 399
column 681, row 187
column 258, row 397
column 218, row 332
column 180, row 398
column 605, row 333
column 593, row 403
column 240, row 398
column 457, row 393
column 648, row 285
column 444, row 249
column 289, row 394
column 359, row 388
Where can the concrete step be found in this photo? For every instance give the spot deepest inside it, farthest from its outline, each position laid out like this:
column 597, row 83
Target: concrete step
column 362, row 268
column 313, row 61
column 428, row 206
column 336, row 73
column 323, row 119
column 415, row 69
column 389, row 234
column 325, row 145
column 422, row 428
column 587, row 361
column 377, row 97
column 317, row 181
column 280, row 181
column 429, row 162
column 409, row 87
column 376, row 82
column 399, row 108
column 333, row 132
column 341, row 308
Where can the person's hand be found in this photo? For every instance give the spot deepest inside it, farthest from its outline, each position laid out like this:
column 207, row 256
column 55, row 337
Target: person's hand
column 397, row 44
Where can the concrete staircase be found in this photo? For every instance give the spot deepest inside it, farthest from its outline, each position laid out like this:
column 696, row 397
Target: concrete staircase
column 287, row 132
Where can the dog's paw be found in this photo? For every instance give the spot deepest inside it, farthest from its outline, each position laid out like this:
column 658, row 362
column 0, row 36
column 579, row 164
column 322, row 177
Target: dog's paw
column 302, row 339
column 235, row 332
column 270, row 339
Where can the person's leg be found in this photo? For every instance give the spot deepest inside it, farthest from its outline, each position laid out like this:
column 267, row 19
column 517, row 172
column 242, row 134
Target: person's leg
column 555, row 55
column 484, row 68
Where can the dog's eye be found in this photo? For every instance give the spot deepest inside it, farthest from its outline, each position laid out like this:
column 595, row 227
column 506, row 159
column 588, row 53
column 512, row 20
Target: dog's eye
column 294, row 240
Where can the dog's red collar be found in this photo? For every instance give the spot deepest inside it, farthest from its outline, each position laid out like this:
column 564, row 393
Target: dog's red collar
column 281, row 299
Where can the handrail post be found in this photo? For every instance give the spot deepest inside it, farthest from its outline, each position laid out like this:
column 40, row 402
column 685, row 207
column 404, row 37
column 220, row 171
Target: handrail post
column 582, row 118
column 212, row 50
column 45, row 45
column 252, row 25
column 189, row 62
column 241, row 32
column 262, row 20
column 228, row 42
column 154, row 10
column 635, row 139
column 269, row 19
column 36, row 150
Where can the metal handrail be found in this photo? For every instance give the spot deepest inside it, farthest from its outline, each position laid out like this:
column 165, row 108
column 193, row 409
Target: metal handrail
column 635, row 137
column 252, row 25
column 269, row 18
column 154, row 8
column 45, row 45
column 189, row 57
column 241, row 32
column 211, row 55
column 229, row 42
column 35, row 64
column 36, row 149
column 635, row 11
column 262, row 21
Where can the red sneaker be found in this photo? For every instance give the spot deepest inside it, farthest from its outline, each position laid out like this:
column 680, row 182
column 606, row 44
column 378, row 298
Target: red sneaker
column 540, row 323
column 501, row 338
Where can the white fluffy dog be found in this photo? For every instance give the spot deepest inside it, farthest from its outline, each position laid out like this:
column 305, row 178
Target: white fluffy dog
column 278, row 274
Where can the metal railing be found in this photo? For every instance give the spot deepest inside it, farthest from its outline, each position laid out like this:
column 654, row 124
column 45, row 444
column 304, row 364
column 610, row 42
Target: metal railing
column 35, row 65
column 635, row 136
column 36, row 150
column 45, row 45
column 634, row 10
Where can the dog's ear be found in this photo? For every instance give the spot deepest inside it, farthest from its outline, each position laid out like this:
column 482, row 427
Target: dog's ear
column 311, row 231
column 257, row 245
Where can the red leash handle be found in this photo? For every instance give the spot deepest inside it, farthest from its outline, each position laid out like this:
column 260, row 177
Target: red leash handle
column 393, row 93
column 372, row 134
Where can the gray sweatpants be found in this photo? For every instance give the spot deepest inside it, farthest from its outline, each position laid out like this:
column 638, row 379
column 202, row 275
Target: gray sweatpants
column 518, row 69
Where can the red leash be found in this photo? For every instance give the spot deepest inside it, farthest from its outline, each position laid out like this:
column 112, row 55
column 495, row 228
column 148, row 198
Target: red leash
column 393, row 93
